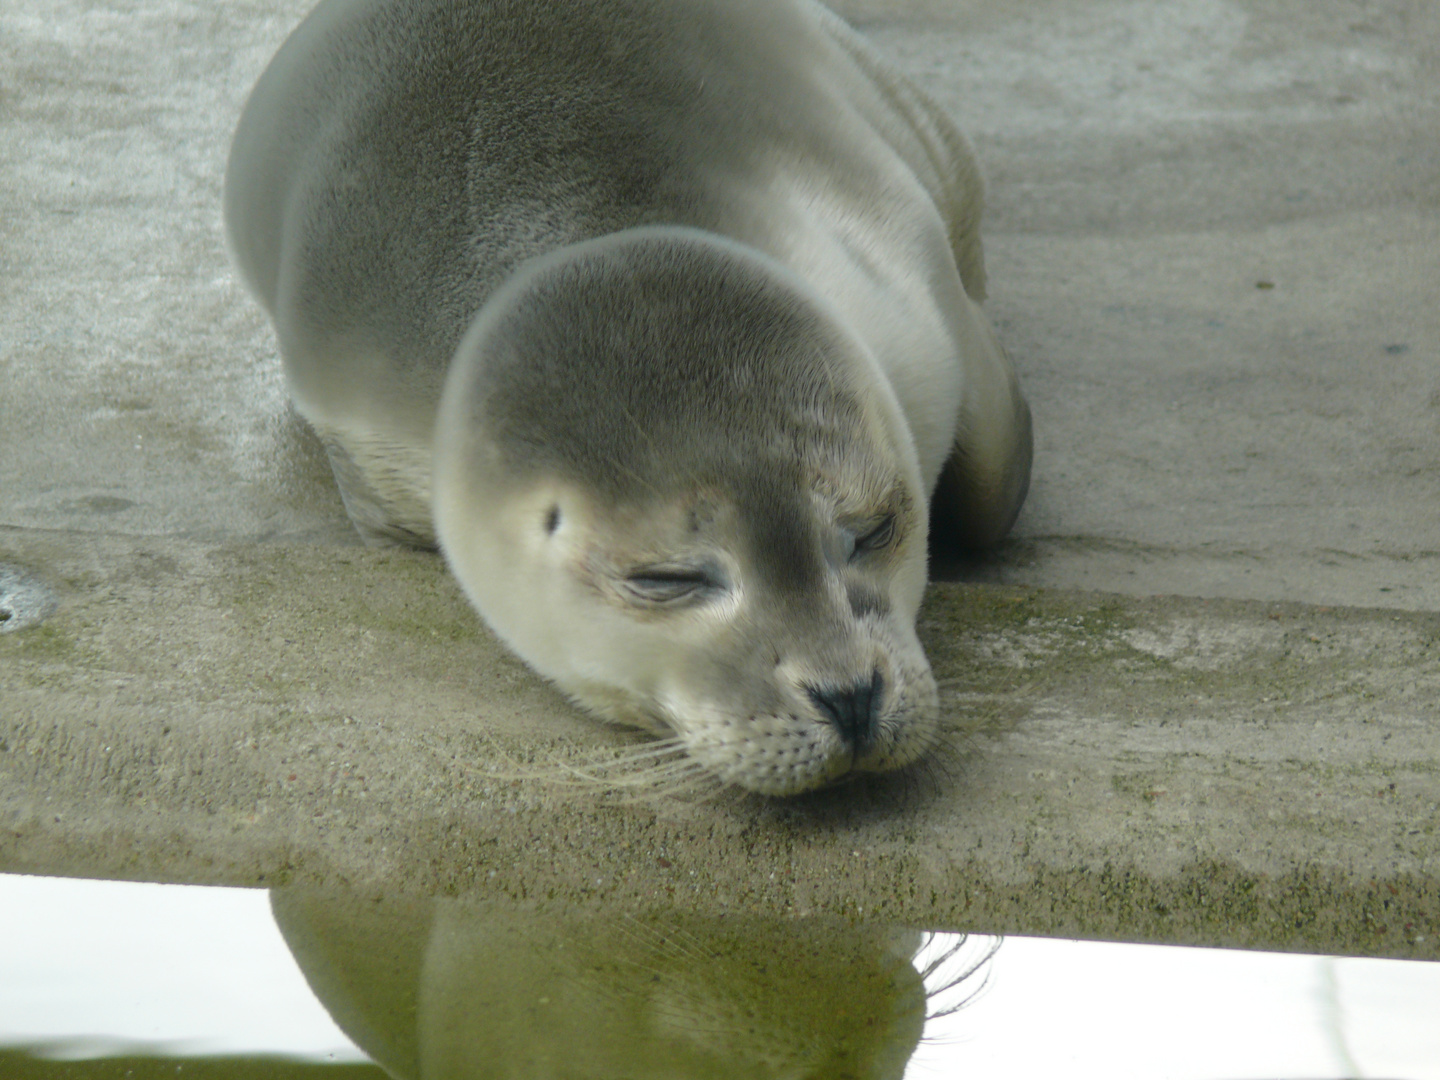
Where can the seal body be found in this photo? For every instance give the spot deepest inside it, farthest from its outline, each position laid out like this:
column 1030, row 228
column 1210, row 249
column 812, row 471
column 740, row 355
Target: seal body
column 661, row 317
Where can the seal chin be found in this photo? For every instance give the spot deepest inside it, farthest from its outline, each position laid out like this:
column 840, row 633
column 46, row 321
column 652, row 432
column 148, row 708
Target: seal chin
column 790, row 755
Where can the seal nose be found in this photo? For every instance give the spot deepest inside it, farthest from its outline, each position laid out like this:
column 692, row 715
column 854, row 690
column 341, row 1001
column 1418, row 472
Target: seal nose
column 852, row 709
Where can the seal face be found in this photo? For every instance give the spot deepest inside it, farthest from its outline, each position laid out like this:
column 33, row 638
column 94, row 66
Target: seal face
column 650, row 313
column 713, row 504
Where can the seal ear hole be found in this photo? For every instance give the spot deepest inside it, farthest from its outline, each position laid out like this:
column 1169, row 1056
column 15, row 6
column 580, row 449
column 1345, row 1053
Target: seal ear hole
column 552, row 520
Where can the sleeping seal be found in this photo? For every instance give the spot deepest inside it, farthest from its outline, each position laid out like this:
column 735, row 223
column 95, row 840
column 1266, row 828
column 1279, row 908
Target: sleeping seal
column 660, row 318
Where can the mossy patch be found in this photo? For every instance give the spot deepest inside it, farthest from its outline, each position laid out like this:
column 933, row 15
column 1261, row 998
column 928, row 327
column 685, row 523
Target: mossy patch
column 395, row 593
column 45, row 655
column 1308, row 908
column 1164, row 656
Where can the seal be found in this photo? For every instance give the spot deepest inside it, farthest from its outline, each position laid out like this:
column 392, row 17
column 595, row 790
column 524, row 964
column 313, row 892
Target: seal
column 428, row 986
column 660, row 318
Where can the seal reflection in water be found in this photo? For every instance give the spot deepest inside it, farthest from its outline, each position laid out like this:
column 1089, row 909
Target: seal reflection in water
column 660, row 318
column 444, row 989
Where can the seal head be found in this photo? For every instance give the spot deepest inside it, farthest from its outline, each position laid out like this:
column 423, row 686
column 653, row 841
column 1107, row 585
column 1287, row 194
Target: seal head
column 673, row 481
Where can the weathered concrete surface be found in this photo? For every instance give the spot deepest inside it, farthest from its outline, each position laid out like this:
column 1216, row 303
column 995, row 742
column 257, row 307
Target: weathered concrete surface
column 1214, row 247
column 1150, row 165
column 1213, row 772
column 1214, row 244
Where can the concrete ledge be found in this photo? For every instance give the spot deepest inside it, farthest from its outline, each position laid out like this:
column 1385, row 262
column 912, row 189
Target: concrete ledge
column 1202, row 772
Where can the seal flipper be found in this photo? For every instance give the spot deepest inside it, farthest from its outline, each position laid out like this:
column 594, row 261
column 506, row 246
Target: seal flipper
column 385, row 486
column 983, row 483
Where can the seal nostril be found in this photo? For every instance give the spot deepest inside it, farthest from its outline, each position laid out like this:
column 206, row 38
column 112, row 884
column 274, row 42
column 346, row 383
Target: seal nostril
column 852, row 710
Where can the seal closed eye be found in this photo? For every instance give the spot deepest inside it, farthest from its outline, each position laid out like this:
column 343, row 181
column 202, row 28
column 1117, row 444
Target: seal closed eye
column 660, row 318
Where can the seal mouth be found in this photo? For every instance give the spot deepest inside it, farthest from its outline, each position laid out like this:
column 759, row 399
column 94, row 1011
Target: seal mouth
column 790, row 755
column 771, row 766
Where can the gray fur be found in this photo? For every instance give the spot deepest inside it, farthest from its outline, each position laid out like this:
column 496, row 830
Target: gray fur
column 648, row 259
column 400, row 159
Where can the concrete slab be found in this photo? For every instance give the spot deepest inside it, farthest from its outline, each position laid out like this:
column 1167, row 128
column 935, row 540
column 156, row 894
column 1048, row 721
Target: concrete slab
column 1214, row 251
column 1209, row 772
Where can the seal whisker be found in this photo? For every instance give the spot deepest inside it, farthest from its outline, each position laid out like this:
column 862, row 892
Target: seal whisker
column 951, row 980
column 658, row 748
column 598, row 760
column 641, row 773
column 612, row 774
column 673, row 940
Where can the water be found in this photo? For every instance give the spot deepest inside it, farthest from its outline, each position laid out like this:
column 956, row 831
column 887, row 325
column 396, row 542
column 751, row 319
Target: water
column 101, row 979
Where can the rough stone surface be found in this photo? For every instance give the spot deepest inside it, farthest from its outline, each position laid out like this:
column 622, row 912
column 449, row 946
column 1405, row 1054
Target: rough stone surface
column 1219, row 772
column 1214, row 245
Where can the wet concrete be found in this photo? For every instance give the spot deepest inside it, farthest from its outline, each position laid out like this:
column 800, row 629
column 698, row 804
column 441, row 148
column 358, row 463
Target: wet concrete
column 1214, row 245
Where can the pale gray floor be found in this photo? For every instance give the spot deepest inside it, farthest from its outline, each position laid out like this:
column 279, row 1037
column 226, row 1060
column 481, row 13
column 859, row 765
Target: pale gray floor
column 1149, row 165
